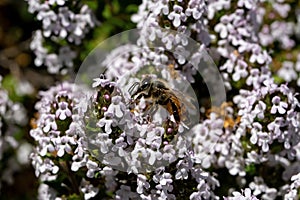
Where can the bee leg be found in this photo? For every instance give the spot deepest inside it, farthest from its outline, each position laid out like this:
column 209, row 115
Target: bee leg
column 130, row 104
column 175, row 113
column 151, row 111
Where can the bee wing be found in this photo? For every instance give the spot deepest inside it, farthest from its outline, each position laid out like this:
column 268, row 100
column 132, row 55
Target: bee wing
column 187, row 101
column 183, row 107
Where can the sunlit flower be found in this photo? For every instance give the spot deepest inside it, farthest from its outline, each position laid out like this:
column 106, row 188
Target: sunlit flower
column 59, row 22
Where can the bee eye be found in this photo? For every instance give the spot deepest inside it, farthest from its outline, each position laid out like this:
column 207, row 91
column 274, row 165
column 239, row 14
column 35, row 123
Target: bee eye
column 144, row 85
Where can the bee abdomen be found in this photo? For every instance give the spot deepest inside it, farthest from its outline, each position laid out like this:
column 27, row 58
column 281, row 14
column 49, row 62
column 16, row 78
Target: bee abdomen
column 175, row 111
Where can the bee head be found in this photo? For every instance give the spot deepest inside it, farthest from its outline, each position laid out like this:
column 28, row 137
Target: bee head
column 141, row 87
column 146, row 83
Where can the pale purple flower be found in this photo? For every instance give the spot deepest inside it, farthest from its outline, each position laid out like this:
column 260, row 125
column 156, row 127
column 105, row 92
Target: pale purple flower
column 164, row 185
column 265, row 36
column 116, row 108
column 203, row 191
column 253, row 78
column 88, row 189
column 176, row 15
column 274, row 126
column 254, row 132
column 110, row 178
column 66, row 55
column 263, row 141
column 101, row 81
column 182, row 169
column 53, row 62
column 196, row 9
column 259, row 109
column 287, row 71
column 268, row 87
column 55, row 136
column 107, row 123
column 59, row 22
column 58, row 2
column 278, row 105
column 240, row 70
column 282, row 9
column 104, row 142
column 126, row 141
column 259, row 56
column 292, row 117
column 49, row 123
column 215, row 6
column 125, row 193
column 249, row 4
column 169, row 153
column 78, row 162
column 142, row 183
column 282, row 32
column 293, row 191
column 222, row 30
column 92, row 168
column 63, row 111
column 46, row 192
column 64, row 144
column 244, row 195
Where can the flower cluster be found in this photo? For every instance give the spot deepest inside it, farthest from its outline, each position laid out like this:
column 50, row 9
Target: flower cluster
column 13, row 152
column 268, row 112
column 185, row 17
column 60, row 142
column 125, row 140
column 243, row 196
column 292, row 191
column 289, row 71
column 106, row 141
column 112, row 146
column 65, row 24
column 265, row 114
column 281, row 31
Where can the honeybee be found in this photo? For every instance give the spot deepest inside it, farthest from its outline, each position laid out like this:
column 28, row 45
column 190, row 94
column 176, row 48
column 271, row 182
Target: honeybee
column 158, row 93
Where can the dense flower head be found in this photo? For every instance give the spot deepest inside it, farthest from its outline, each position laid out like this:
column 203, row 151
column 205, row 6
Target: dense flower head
column 185, row 17
column 56, row 131
column 13, row 151
column 107, row 141
column 126, row 137
column 55, row 62
column 267, row 113
column 246, row 194
column 61, row 21
column 292, row 191
column 59, row 138
column 246, row 148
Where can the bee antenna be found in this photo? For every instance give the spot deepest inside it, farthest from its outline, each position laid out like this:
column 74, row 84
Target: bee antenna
column 130, row 90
